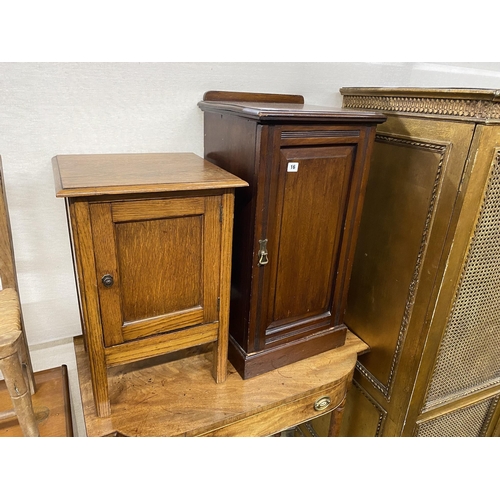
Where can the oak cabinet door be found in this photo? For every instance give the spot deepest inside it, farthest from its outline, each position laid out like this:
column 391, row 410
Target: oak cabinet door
column 157, row 264
column 305, row 227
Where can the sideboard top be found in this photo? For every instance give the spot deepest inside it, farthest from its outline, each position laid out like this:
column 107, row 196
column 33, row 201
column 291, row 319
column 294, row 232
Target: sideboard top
column 281, row 107
column 100, row 174
column 471, row 104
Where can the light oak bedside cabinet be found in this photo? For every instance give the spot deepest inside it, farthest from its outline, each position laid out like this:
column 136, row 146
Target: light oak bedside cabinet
column 151, row 238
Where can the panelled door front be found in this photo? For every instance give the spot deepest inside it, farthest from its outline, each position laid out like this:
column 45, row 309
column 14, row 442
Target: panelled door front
column 157, row 264
column 405, row 234
column 304, row 235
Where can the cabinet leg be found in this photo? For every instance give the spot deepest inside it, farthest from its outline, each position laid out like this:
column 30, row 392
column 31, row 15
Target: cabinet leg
column 221, row 346
column 336, row 420
column 100, row 386
column 219, row 369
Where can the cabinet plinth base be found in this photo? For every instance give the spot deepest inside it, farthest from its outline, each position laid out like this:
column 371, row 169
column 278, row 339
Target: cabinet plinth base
column 251, row 365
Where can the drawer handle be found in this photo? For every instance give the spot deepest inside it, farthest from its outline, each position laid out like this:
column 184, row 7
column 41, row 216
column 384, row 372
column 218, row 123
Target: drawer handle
column 322, row 403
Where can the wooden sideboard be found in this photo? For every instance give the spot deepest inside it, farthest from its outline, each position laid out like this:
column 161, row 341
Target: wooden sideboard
column 174, row 395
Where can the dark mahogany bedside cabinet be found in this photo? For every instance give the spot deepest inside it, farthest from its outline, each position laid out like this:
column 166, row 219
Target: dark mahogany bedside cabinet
column 295, row 227
column 151, row 237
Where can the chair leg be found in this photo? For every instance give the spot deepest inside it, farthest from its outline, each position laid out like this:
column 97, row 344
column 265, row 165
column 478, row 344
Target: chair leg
column 19, row 392
column 26, row 362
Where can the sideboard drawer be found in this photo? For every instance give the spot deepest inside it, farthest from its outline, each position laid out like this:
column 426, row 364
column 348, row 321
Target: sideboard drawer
column 278, row 418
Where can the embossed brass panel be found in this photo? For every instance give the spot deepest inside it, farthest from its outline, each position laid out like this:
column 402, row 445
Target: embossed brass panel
column 472, row 105
column 363, row 416
column 411, row 193
column 390, row 252
column 423, row 292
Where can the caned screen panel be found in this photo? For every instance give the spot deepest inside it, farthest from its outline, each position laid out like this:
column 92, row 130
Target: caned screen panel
column 469, row 355
column 469, row 421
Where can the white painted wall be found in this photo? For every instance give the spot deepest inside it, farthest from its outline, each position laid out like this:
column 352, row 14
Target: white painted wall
column 63, row 108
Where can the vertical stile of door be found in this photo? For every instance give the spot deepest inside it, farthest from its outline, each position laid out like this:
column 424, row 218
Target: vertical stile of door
column 82, row 236
column 104, row 243
column 211, row 257
column 266, row 193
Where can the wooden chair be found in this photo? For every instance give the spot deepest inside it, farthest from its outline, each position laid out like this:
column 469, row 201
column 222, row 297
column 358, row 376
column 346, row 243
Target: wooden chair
column 15, row 362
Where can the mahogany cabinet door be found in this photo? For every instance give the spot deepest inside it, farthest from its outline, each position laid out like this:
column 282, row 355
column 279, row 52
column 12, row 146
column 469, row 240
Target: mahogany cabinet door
column 157, row 264
column 306, row 219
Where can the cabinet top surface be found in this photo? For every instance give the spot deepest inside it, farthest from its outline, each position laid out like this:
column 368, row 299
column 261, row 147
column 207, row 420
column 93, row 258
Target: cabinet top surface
column 290, row 112
column 100, row 174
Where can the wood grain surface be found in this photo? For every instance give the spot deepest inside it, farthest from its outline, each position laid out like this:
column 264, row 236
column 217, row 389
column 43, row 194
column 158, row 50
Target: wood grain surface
column 92, row 175
column 218, row 95
column 180, row 397
column 51, row 405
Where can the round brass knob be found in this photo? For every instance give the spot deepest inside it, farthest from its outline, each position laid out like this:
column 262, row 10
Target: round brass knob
column 107, row 280
column 322, row 403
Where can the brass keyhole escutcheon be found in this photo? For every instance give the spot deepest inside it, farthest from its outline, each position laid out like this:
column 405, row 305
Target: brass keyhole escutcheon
column 322, row 403
column 107, row 280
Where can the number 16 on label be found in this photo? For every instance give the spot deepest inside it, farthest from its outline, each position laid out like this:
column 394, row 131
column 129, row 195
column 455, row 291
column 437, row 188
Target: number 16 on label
column 293, row 166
